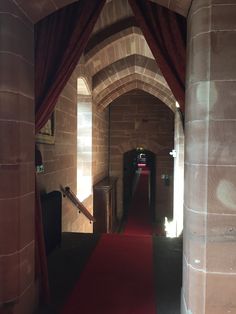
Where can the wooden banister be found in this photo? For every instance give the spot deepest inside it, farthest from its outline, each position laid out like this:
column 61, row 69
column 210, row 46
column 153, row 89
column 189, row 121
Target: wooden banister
column 73, row 198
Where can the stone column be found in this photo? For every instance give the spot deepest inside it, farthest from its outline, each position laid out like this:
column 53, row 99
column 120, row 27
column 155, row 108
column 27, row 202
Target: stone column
column 209, row 279
column 16, row 161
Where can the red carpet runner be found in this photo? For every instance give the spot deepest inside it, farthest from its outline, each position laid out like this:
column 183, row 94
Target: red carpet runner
column 139, row 215
column 118, row 278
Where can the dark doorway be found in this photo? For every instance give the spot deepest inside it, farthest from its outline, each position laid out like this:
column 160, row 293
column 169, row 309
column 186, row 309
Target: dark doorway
column 132, row 160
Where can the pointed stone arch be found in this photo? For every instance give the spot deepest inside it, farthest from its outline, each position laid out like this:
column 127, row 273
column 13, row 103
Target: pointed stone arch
column 132, row 82
column 119, row 46
column 146, row 123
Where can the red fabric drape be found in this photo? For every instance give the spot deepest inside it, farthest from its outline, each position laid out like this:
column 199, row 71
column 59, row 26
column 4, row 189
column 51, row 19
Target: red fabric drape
column 165, row 33
column 60, row 40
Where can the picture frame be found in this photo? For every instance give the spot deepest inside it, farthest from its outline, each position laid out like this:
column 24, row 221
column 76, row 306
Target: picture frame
column 47, row 134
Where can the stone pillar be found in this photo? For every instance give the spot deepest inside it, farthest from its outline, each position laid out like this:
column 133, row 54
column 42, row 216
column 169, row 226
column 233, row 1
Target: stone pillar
column 16, row 161
column 178, row 174
column 209, row 269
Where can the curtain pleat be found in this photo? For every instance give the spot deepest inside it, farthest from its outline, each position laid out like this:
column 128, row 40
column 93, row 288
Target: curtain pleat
column 165, row 33
column 60, row 40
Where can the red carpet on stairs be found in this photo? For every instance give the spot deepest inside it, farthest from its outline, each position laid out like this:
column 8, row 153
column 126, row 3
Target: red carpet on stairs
column 118, row 278
column 139, row 215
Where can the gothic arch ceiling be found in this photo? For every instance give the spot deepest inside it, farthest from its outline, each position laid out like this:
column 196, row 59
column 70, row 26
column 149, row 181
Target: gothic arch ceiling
column 117, row 55
column 119, row 60
column 118, row 46
column 118, row 78
column 133, row 82
column 38, row 9
column 124, row 67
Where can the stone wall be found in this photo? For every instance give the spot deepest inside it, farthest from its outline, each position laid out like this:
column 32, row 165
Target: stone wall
column 138, row 119
column 59, row 159
column 100, row 144
column 209, row 269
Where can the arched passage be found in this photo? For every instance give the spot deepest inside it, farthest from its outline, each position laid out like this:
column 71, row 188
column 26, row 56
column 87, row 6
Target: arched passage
column 131, row 160
column 138, row 119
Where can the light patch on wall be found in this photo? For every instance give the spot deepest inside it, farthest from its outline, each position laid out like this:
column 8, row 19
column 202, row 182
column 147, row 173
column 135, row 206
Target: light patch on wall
column 226, row 194
column 84, row 141
column 84, row 151
column 170, row 228
column 206, row 94
column 203, row 91
column 82, row 87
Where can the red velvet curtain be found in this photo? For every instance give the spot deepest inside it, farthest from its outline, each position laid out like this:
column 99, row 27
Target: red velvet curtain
column 165, row 32
column 60, row 40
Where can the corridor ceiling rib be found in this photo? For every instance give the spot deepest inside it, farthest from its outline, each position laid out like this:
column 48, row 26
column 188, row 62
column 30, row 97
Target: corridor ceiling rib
column 165, row 33
column 135, row 68
column 133, row 82
column 117, row 47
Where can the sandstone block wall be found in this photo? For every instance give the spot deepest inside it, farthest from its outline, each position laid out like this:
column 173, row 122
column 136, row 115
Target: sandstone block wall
column 138, row 119
column 59, row 159
column 17, row 277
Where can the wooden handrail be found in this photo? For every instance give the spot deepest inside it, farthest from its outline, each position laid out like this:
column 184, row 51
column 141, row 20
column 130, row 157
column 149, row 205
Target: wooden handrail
column 74, row 199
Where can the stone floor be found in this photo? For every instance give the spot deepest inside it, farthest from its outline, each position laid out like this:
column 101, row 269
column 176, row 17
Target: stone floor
column 65, row 265
column 168, row 274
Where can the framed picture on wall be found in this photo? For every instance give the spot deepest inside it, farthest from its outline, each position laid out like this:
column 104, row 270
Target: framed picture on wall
column 47, row 134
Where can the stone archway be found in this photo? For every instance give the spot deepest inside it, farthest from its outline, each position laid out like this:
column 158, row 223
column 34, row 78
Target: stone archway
column 133, row 126
column 131, row 174
column 132, row 83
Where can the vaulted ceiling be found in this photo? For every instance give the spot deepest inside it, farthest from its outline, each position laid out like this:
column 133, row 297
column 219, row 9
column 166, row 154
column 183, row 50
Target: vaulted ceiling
column 120, row 60
column 38, row 9
column 117, row 55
